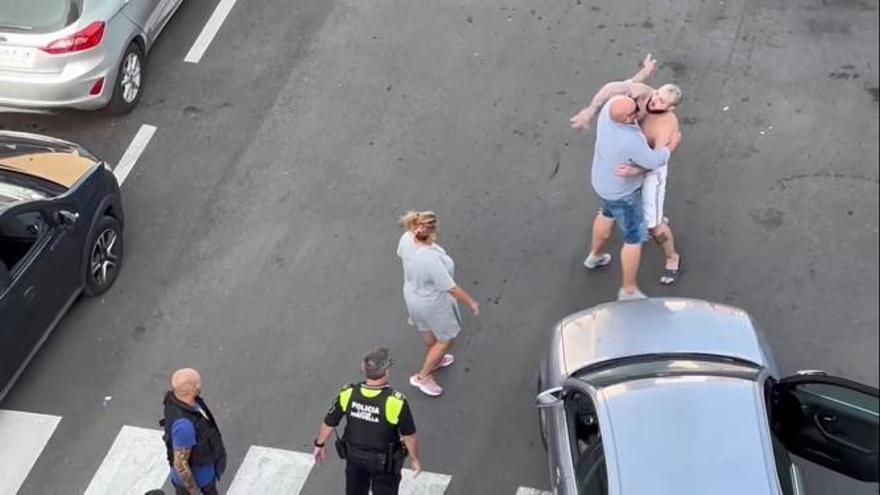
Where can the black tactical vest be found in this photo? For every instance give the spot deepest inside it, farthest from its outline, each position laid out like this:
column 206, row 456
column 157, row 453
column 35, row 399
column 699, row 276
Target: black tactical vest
column 368, row 425
column 209, row 447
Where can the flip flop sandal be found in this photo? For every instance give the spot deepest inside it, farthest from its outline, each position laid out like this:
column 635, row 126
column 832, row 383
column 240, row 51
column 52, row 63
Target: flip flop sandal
column 670, row 277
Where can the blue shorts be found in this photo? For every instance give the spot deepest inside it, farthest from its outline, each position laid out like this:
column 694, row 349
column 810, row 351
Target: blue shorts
column 629, row 214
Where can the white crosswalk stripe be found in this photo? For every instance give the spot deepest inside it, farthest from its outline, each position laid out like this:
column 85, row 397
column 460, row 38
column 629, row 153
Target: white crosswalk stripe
column 425, row 484
column 531, row 491
column 23, row 436
column 268, row 470
column 136, row 463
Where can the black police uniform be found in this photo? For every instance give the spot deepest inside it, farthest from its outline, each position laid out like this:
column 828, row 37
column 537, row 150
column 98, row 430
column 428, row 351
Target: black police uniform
column 376, row 419
column 209, row 448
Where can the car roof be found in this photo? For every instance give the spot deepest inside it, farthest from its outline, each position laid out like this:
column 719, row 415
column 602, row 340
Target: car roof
column 686, row 434
column 658, row 326
column 50, row 159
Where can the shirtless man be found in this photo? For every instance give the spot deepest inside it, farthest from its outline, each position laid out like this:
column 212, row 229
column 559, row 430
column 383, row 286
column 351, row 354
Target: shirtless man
column 660, row 126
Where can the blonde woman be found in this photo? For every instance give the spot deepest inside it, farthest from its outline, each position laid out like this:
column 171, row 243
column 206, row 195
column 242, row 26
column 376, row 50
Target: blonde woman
column 430, row 293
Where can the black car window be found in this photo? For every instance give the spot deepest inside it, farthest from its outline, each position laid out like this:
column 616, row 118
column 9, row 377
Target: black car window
column 639, row 367
column 18, row 235
column 38, row 16
column 589, row 470
column 589, row 473
column 5, row 277
column 783, row 467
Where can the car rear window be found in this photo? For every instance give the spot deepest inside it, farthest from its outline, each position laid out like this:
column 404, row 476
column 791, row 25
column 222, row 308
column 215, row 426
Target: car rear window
column 38, row 16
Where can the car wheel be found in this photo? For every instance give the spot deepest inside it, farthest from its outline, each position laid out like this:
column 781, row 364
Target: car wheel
column 104, row 256
column 129, row 81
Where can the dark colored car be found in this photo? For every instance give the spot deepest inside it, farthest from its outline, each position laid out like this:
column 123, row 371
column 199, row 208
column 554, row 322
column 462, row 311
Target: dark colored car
column 60, row 236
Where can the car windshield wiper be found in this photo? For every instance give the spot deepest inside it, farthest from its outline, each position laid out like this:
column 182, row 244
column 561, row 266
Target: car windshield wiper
column 15, row 27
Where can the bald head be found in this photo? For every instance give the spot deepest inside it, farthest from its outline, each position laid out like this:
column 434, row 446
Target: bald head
column 624, row 111
column 186, row 384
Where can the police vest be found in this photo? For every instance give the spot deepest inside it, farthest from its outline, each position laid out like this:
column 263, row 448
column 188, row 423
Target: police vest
column 209, row 447
column 372, row 416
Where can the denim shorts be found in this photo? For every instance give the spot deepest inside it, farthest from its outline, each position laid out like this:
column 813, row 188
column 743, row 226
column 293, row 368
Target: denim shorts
column 629, row 214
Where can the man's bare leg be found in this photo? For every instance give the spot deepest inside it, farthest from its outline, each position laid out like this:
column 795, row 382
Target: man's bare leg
column 662, row 235
column 630, row 257
column 603, row 227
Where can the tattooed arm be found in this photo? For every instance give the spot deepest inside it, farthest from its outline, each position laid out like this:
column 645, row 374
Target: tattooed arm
column 634, row 87
column 181, row 465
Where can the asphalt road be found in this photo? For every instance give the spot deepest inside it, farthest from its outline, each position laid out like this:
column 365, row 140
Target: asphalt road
column 261, row 217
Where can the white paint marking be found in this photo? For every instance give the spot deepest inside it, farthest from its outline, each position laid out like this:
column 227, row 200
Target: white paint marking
column 267, row 470
column 530, row 491
column 131, row 155
column 33, row 111
column 136, row 463
column 425, row 484
column 200, row 46
column 22, row 438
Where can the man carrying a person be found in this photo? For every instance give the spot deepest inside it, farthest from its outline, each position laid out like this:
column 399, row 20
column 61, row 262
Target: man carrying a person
column 621, row 146
column 660, row 126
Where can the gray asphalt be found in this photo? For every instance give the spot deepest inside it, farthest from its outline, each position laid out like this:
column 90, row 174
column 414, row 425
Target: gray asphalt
column 261, row 218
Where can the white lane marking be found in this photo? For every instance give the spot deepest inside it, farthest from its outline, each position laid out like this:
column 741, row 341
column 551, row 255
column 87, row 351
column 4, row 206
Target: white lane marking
column 23, row 436
column 131, row 155
column 425, row 484
column 200, row 46
column 136, row 463
column 531, row 491
column 33, row 111
column 268, row 470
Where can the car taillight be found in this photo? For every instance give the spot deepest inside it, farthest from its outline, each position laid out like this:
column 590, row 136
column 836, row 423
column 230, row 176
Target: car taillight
column 88, row 37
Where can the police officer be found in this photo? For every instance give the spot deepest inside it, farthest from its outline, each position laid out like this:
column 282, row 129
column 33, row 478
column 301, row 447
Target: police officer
column 194, row 446
column 379, row 431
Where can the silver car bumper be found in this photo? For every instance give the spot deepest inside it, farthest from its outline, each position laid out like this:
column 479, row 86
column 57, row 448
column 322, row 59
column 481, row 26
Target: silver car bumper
column 67, row 89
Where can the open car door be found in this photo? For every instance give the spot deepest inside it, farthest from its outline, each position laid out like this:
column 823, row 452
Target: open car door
column 830, row 421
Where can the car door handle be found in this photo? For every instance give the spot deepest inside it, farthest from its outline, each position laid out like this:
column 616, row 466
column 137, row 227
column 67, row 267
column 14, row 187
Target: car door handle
column 30, row 293
column 822, row 419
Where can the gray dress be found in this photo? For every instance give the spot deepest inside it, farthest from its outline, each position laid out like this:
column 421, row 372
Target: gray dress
column 428, row 272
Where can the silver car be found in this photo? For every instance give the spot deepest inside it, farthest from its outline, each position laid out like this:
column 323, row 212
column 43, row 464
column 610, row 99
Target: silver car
column 83, row 54
column 679, row 396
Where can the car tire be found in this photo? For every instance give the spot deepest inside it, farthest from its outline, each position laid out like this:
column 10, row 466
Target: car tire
column 103, row 257
column 129, row 85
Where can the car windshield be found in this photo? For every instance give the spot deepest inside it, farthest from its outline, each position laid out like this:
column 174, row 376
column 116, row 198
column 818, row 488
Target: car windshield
column 13, row 193
column 38, row 16
column 640, row 367
column 15, row 187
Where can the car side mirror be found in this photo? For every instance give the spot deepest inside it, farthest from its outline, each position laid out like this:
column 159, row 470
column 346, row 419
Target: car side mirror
column 67, row 218
column 549, row 398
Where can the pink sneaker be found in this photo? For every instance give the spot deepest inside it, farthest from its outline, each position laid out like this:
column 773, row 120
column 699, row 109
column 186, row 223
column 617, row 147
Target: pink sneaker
column 427, row 385
column 447, row 360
